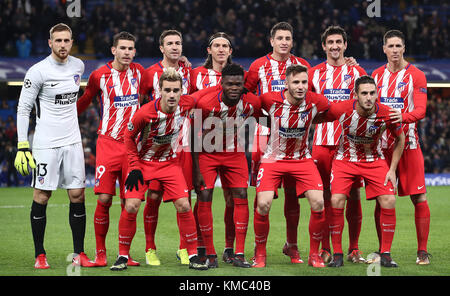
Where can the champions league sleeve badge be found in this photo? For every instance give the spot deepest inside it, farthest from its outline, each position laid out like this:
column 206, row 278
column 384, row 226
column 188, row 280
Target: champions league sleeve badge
column 77, row 79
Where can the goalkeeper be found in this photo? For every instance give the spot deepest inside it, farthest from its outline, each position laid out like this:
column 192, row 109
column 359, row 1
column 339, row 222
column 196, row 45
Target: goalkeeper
column 52, row 86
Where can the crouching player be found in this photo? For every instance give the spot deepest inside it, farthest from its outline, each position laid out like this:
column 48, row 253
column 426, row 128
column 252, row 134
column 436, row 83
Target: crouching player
column 157, row 126
column 359, row 155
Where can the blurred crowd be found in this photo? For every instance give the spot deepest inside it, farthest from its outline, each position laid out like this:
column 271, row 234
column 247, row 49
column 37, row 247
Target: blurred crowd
column 25, row 25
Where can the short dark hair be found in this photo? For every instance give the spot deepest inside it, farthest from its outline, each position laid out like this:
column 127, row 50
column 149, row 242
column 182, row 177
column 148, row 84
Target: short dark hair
column 295, row 69
column 166, row 33
column 123, row 36
column 393, row 33
column 232, row 69
column 281, row 26
column 208, row 62
column 365, row 79
column 334, row 30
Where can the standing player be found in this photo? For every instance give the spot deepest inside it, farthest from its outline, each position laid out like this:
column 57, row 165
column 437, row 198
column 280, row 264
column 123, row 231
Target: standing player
column 403, row 87
column 157, row 126
column 291, row 113
column 335, row 79
column 359, row 155
column 268, row 74
column 171, row 46
column 219, row 55
column 52, row 86
column 117, row 82
column 207, row 76
column 228, row 109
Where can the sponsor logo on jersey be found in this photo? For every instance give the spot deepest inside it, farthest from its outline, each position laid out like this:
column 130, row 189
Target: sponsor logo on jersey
column 286, row 132
column 164, row 139
column 278, row 85
column 360, row 140
column 393, row 102
column 66, row 99
column 126, row 101
column 337, row 94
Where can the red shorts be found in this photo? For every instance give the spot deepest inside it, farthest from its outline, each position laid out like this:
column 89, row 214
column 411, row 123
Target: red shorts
column 258, row 148
column 169, row 175
column 304, row 172
column 231, row 167
column 111, row 164
column 410, row 171
column 185, row 160
column 323, row 158
column 345, row 173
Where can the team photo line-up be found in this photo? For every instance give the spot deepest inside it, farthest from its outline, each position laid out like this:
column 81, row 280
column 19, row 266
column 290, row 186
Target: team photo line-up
column 168, row 130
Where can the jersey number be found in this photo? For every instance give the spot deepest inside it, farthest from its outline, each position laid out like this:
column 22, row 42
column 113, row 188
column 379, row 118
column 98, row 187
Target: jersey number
column 41, row 169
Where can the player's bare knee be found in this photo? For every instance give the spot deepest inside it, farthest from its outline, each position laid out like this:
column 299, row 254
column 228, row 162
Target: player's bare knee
column 182, row 205
column 41, row 196
column 386, row 201
column 132, row 205
column 418, row 198
column 76, row 195
column 105, row 198
column 205, row 195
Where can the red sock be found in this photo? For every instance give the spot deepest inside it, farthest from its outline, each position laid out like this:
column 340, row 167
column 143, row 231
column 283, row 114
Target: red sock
column 422, row 219
column 127, row 230
column 292, row 216
column 316, row 229
column 241, row 223
column 205, row 222
column 188, row 231
column 353, row 214
column 377, row 214
column 326, row 232
column 200, row 242
column 183, row 244
column 101, row 224
column 261, row 226
column 387, row 224
column 336, row 228
column 228, row 218
column 150, row 222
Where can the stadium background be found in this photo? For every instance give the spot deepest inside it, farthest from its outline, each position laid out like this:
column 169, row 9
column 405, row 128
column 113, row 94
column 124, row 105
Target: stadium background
column 24, row 26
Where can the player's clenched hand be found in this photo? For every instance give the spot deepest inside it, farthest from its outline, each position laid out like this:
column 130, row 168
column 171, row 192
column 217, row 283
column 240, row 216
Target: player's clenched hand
column 24, row 159
column 198, row 182
column 395, row 115
column 133, row 179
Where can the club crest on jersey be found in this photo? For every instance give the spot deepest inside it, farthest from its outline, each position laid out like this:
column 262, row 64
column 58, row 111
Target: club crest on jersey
column 77, row 79
column 134, row 83
column 41, row 180
column 347, row 76
column 303, row 115
column 372, row 129
column 401, row 86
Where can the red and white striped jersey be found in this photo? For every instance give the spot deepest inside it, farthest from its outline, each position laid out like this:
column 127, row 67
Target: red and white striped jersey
column 203, row 78
column 337, row 84
column 118, row 97
column 232, row 120
column 290, row 124
column 150, row 80
column 157, row 134
column 267, row 74
column 361, row 136
column 405, row 90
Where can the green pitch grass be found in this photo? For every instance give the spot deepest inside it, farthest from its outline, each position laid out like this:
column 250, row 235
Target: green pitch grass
column 17, row 251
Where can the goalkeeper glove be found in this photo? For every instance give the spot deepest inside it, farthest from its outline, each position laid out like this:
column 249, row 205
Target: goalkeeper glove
column 24, row 159
column 133, row 180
